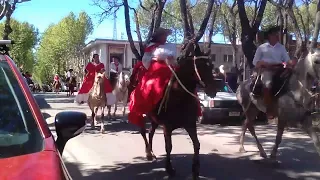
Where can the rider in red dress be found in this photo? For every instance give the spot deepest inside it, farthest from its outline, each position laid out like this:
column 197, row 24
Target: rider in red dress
column 91, row 69
column 150, row 90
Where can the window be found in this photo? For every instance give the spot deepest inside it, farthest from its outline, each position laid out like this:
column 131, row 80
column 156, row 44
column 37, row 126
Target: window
column 19, row 133
column 230, row 58
column 134, row 62
column 213, row 57
column 227, row 58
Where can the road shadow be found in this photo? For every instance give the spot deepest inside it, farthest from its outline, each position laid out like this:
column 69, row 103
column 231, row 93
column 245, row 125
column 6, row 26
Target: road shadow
column 213, row 166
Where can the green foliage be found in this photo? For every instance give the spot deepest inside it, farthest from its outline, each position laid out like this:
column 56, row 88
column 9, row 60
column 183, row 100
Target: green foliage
column 171, row 17
column 25, row 36
column 61, row 42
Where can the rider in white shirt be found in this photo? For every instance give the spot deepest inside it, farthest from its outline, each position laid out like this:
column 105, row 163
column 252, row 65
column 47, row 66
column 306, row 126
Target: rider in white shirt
column 268, row 56
column 115, row 66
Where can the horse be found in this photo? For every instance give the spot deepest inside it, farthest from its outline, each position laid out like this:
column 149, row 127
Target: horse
column 121, row 92
column 56, row 86
column 292, row 105
column 72, row 83
column 181, row 108
column 97, row 99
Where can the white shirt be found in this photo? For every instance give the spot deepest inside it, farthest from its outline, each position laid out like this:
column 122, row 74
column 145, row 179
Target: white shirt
column 68, row 74
column 113, row 68
column 276, row 54
column 160, row 53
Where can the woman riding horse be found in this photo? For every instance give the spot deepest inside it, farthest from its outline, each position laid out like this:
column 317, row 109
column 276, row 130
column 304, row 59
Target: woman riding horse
column 156, row 59
column 92, row 67
column 56, row 83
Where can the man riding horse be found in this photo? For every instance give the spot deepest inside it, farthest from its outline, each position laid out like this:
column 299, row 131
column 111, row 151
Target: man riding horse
column 269, row 57
column 115, row 70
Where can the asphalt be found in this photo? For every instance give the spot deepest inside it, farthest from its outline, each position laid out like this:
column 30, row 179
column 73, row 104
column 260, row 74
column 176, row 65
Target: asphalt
column 119, row 153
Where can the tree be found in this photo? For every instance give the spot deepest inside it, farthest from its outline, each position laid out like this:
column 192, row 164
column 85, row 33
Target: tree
column 61, row 46
column 25, row 36
column 9, row 6
column 249, row 29
column 156, row 9
column 317, row 27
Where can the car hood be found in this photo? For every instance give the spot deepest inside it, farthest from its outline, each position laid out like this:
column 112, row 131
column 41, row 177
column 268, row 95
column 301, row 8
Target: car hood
column 43, row 165
column 225, row 96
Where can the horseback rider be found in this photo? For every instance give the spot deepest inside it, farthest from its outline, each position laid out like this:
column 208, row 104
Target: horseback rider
column 157, row 57
column 91, row 69
column 69, row 75
column 115, row 70
column 268, row 58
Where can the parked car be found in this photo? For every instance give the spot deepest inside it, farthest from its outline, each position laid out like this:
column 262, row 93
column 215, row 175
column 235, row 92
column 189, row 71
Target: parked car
column 220, row 109
column 27, row 147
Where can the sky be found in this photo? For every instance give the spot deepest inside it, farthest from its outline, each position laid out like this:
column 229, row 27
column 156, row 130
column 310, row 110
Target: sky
column 42, row 13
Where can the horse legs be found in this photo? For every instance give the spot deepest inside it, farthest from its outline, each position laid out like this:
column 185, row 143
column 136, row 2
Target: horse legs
column 124, row 104
column 109, row 111
column 308, row 127
column 102, row 119
column 251, row 114
column 280, row 129
column 143, row 133
column 168, row 141
column 153, row 128
column 192, row 131
column 115, row 109
column 93, row 114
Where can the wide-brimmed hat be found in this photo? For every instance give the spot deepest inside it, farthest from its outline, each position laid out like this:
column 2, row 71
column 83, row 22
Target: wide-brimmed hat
column 160, row 32
column 271, row 30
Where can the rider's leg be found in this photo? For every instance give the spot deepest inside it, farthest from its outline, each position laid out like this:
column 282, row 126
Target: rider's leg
column 266, row 78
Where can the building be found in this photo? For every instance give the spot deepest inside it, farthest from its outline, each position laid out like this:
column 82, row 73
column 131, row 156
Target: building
column 108, row 48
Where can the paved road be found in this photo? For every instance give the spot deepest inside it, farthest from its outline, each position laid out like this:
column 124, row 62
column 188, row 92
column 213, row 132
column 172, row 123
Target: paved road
column 119, row 154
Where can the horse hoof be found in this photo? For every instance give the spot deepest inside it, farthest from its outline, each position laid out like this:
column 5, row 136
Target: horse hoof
column 149, row 157
column 171, row 172
column 195, row 176
column 242, row 150
column 264, row 155
column 102, row 131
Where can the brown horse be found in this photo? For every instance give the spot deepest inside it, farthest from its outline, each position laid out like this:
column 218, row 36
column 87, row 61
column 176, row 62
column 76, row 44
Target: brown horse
column 72, row 83
column 56, row 86
column 97, row 98
column 181, row 109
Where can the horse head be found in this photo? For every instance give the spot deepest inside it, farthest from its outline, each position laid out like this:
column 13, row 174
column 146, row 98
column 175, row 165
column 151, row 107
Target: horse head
column 199, row 64
column 123, row 80
column 313, row 58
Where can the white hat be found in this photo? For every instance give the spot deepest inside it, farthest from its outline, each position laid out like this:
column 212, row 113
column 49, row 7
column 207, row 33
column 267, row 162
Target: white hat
column 221, row 68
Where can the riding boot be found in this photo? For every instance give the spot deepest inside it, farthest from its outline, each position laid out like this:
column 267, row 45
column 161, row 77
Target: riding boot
column 267, row 98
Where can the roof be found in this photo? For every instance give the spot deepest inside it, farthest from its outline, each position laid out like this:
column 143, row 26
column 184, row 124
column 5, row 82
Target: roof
column 98, row 41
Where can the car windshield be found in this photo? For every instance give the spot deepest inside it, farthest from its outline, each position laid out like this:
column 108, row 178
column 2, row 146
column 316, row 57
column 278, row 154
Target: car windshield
column 19, row 133
column 227, row 89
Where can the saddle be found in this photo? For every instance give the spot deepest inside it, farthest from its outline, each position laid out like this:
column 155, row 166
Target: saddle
column 279, row 83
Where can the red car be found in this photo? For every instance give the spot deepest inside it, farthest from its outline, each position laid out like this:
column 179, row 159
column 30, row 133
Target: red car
column 27, row 148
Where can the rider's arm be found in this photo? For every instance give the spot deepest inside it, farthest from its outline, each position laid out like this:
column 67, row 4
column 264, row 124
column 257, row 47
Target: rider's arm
column 113, row 68
column 257, row 62
column 146, row 59
column 286, row 58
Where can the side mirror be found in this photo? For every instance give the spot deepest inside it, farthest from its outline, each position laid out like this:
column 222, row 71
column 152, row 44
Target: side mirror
column 68, row 124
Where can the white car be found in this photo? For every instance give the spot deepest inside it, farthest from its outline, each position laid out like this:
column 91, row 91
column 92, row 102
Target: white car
column 220, row 109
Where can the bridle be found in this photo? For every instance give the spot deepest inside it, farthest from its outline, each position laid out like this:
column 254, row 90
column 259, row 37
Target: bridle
column 196, row 71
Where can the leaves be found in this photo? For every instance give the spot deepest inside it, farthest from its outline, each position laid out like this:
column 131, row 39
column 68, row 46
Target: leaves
column 25, row 36
column 60, row 43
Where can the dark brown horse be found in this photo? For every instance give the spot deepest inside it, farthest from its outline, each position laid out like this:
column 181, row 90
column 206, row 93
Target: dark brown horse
column 72, row 83
column 181, row 109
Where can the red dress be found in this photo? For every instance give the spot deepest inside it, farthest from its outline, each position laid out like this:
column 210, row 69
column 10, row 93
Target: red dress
column 88, row 81
column 150, row 90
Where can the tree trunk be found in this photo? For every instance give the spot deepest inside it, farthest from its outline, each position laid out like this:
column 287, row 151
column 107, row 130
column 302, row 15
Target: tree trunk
column 315, row 35
column 249, row 33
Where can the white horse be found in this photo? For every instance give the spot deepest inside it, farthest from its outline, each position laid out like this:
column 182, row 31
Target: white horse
column 121, row 93
column 292, row 107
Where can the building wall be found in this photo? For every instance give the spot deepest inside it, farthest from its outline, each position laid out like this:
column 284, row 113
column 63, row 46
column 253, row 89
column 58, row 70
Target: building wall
column 221, row 54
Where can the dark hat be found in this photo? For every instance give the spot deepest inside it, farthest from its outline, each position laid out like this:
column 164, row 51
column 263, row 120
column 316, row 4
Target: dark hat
column 271, row 30
column 159, row 32
column 70, row 70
